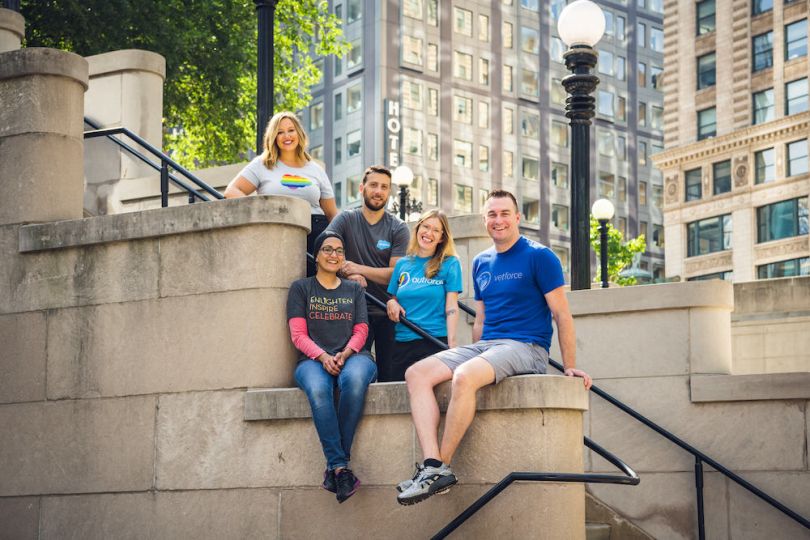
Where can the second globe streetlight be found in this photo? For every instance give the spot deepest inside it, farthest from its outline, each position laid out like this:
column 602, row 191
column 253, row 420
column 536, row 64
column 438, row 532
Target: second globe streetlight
column 402, row 176
column 602, row 211
column 580, row 26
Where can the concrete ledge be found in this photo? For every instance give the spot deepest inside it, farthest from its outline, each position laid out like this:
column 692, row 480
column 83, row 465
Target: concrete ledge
column 693, row 294
column 43, row 61
column 521, row 392
column 772, row 386
column 126, row 60
column 13, row 22
column 165, row 221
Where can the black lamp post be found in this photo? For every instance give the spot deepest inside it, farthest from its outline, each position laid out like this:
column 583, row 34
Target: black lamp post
column 602, row 211
column 266, row 12
column 402, row 177
column 581, row 25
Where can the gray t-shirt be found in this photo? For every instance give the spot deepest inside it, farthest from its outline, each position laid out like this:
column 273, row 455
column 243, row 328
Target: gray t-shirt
column 330, row 313
column 308, row 182
column 372, row 245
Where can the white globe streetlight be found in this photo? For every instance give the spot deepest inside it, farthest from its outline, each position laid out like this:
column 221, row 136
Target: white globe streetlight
column 602, row 210
column 402, row 177
column 581, row 23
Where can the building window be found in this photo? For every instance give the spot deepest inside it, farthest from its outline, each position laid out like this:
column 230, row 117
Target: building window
column 433, row 146
column 412, row 141
column 643, row 226
column 705, row 17
column 726, row 276
column 338, row 150
column 621, row 147
column 642, row 114
column 658, row 236
column 462, row 21
column 316, row 116
column 657, row 77
column 762, row 51
column 761, row 6
column 657, row 118
column 483, row 194
column 796, row 39
column 338, row 106
column 529, row 124
column 352, row 188
column 607, row 185
column 562, row 254
column 353, row 144
column 507, row 35
column 533, row 5
column 557, row 93
column 433, row 102
column 433, row 192
column 462, row 65
column 508, row 164
column 412, row 95
column 483, row 28
column 462, row 109
column 556, row 7
column 764, row 166
column 354, row 98
column 706, row 70
column 604, row 105
column 412, row 50
column 763, row 106
column 507, row 79
column 508, row 120
column 621, row 108
column 317, row 153
column 557, row 49
column 619, row 28
column 621, row 189
column 642, row 193
column 531, row 211
column 483, row 71
column 641, row 34
column 641, row 74
column 797, row 158
column 642, row 153
column 529, row 40
column 784, row 219
column 657, row 196
column 621, row 68
column 709, row 235
column 483, row 158
column 531, row 169
column 721, row 172
column 354, row 12
column 559, row 134
column 529, row 83
column 433, row 57
column 339, row 195
column 694, row 184
column 559, row 216
column 483, row 114
column 707, row 123
column 462, row 153
column 412, row 8
column 791, row 268
column 433, row 12
column 604, row 142
column 657, row 39
column 463, row 202
column 796, row 96
column 559, row 175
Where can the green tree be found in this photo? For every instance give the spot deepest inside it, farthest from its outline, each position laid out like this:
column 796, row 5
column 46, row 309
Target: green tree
column 620, row 253
column 210, row 49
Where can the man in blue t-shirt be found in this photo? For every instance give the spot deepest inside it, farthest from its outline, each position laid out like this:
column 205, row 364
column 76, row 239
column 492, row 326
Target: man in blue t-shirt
column 518, row 289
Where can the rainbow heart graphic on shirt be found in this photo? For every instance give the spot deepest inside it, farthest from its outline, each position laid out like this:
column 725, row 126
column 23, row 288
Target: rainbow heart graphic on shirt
column 294, row 182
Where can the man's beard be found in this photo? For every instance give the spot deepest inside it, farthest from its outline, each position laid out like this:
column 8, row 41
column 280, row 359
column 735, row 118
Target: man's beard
column 370, row 204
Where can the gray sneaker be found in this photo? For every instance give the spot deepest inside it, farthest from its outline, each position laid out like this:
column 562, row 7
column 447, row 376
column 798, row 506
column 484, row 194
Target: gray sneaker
column 405, row 484
column 429, row 482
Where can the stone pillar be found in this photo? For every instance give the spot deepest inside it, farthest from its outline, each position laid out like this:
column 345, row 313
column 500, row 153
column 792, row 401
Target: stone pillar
column 41, row 108
column 12, row 30
column 126, row 90
column 470, row 238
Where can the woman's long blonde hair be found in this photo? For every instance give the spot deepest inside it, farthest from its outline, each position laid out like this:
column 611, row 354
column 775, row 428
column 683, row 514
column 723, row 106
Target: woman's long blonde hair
column 445, row 248
column 272, row 151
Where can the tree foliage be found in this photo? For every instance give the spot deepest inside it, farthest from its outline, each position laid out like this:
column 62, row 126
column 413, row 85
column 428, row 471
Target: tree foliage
column 620, row 253
column 210, row 49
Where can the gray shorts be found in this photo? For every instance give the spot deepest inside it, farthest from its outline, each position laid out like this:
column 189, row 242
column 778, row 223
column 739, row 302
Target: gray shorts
column 506, row 356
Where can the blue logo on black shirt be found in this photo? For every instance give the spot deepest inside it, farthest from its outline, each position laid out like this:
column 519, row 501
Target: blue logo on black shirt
column 383, row 244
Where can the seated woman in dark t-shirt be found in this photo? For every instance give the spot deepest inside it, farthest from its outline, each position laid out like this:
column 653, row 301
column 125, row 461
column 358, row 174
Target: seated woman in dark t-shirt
column 329, row 325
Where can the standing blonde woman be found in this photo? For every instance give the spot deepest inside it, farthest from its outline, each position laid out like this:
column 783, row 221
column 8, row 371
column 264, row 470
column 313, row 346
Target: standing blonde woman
column 286, row 168
column 425, row 286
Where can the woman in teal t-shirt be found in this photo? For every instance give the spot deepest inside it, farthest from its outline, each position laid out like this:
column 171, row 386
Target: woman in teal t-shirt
column 424, row 288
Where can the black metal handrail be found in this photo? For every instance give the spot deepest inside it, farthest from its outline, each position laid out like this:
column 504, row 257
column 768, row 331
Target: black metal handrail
column 700, row 457
column 162, row 168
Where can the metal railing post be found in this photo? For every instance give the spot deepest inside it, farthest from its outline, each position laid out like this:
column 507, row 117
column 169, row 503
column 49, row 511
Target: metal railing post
column 699, row 493
column 164, row 184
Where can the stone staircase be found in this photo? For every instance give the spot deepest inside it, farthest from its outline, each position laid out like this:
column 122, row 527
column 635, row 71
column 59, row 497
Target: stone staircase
column 604, row 523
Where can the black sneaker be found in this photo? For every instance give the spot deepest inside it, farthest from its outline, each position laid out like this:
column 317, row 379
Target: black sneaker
column 347, row 483
column 329, row 481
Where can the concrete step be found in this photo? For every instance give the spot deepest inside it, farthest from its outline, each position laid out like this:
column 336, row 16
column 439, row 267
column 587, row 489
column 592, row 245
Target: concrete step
column 597, row 531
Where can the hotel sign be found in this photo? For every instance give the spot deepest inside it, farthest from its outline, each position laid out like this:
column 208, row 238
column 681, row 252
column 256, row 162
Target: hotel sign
column 392, row 130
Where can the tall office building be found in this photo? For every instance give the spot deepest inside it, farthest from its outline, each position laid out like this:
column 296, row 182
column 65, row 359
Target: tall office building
column 468, row 95
column 737, row 126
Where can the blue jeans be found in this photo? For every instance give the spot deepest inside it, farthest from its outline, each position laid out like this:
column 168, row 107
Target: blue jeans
column 336, row 426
